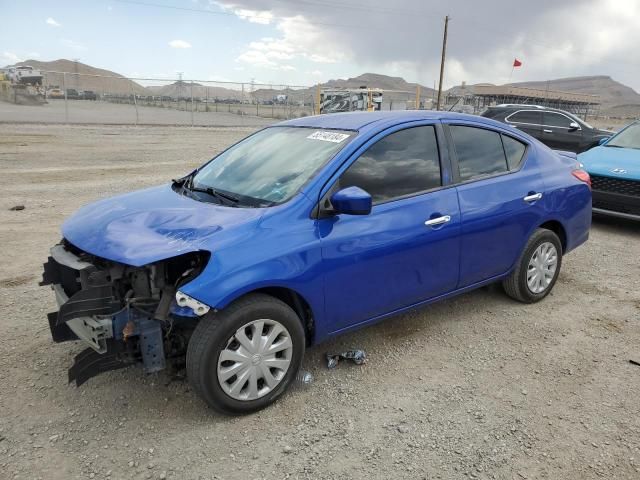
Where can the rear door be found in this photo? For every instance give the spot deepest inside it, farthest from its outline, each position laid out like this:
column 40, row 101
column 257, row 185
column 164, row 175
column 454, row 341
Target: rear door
column 500, row 190
column 559, row 134
column 529, row 121
column 407, row 249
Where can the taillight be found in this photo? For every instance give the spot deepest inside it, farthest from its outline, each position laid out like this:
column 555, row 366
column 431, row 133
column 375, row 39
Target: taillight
column 582, row 176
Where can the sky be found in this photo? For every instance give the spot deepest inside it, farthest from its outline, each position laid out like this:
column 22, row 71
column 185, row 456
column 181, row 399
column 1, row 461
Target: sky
column 303, row 42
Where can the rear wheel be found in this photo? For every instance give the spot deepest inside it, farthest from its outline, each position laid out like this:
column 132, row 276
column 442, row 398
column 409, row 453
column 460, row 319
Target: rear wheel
column 537, row 269
column 244, row 357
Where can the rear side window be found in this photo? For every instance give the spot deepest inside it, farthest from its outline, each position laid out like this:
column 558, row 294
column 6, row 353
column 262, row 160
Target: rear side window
column 402, row 163
column 479, row 152
column 526, row 116
column 556, row 120
column 514, row 150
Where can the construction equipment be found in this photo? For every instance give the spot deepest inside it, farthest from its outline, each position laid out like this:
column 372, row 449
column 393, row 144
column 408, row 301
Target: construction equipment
column 24, row 75
column 363, row 99
column 22, row 85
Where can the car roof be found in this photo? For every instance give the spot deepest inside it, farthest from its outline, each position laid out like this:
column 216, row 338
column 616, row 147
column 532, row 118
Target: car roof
column 358, row 120
column 515, row 106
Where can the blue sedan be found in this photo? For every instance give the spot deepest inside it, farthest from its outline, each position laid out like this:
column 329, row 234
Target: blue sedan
column 614, row 167
column 306, row 230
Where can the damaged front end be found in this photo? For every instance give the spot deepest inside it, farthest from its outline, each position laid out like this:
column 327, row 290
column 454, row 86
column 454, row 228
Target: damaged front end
column 125, row 314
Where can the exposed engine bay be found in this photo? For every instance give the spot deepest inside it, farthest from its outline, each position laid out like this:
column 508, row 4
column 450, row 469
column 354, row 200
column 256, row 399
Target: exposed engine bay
column 126, row 315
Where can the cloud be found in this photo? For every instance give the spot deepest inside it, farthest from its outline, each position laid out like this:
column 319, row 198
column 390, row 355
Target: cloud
column 73, row 45
column 253, row 16
column 10, row 57
column 299, row 41
column 553, row 39
column 52, row 22
column 179, row 44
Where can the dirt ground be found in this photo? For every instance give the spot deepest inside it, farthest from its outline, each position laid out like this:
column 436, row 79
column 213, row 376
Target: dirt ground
column 89, row 112
column 475, row 387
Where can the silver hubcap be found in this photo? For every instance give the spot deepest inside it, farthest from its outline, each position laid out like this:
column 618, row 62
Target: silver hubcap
column 255, row 360
column 542, row 267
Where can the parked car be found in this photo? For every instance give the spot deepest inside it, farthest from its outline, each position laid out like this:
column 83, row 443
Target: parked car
column 555, row 128
column 89, row 95
column 306, row 230
column 614, row 167
column 72, row 94
column 55, row 93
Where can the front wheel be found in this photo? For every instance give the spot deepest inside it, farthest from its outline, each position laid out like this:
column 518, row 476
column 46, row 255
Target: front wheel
column 244, row 357
column 537, row 269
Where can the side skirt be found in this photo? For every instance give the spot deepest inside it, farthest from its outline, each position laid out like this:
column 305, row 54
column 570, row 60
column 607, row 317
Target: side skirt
column 384, row 316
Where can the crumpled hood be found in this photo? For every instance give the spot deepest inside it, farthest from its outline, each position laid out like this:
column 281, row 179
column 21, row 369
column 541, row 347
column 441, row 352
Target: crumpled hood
column 150, row 225
column 602, row 160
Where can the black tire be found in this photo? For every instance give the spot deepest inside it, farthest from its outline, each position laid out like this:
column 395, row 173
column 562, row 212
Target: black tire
column 212, row 335
column 516, row 284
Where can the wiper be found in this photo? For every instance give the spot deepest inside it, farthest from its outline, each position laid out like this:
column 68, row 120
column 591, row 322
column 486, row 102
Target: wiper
column 186, row 182
column 183, row 180
column 224, row 198
column 614, row 146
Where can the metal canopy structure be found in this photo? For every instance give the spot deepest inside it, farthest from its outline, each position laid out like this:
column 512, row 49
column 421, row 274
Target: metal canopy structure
column 482, row 96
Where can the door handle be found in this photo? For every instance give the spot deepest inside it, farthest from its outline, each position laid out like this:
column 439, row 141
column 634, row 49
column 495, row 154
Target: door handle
column 533, row 197
column 546, row 130
column 438, row 221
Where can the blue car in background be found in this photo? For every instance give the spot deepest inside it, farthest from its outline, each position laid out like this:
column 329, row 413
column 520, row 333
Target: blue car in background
column 305, row 230
column 614, row 167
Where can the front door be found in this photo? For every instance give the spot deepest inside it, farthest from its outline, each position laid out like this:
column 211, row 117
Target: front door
column 406, row 250
column 559, row 133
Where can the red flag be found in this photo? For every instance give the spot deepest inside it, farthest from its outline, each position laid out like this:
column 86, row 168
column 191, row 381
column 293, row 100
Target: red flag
column 516, row 63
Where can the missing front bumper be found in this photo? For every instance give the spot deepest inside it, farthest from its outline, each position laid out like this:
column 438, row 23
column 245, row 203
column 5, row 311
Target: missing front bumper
column 89, row 363
column 85, row 315
column 89, row 311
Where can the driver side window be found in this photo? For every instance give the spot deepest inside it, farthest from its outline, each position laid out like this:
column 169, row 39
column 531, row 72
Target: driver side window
column 401, row 164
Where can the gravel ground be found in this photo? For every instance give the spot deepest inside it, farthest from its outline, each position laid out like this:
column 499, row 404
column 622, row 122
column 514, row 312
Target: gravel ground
column 475, row 387
column 89, row 112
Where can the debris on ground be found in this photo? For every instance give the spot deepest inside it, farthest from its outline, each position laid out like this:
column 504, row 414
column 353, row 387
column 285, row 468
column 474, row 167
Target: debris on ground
column 16, row 208
column 634, row 362
column 359, row 357
column 304, row 378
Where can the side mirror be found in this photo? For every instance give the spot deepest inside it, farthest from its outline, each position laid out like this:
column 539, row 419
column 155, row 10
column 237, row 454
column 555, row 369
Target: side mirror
column 573, row 126
column 351, row 201
column 603, row 140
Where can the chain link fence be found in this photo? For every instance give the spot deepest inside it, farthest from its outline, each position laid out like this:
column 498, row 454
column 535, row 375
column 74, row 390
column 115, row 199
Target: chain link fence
column 78, row 98
column 96, row 99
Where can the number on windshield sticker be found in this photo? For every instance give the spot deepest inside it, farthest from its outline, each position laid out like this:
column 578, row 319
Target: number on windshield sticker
column 328, row 136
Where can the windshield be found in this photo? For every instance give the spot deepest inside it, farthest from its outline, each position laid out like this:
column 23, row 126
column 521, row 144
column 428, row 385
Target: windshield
column 627, row 138
column 271, row 165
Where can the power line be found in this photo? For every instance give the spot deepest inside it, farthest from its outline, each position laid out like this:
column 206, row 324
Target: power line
column 324, row 3
column 248, row 15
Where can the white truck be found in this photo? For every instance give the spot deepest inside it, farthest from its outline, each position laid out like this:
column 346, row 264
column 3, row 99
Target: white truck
column 24, row 75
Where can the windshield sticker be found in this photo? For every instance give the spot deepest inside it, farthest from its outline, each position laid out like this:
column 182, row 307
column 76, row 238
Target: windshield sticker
column 328, row 136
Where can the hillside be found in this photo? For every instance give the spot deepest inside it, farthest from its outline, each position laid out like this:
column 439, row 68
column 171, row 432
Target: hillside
column 183, row 89
column 377, row 80
column 612, row 94
column 118, row 85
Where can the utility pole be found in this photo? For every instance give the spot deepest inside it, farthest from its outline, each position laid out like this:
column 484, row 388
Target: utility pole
column 444, row 52
column 75, row 69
